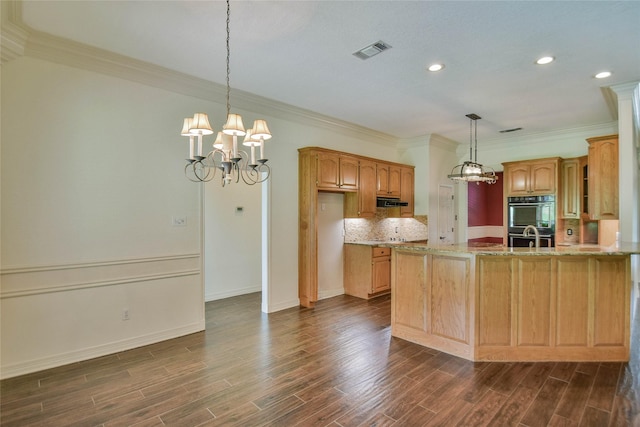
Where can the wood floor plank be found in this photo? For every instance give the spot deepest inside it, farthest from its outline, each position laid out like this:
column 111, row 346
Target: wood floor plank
column 544, row 405
column 511, row 378
column 575, row 398
column 336, row 365
column 594, row 417
column 604, row 386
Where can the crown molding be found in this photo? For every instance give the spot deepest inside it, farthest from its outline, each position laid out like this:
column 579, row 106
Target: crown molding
column 21, row 40
column 14, row 34
column 624, row 90
column 443, row 143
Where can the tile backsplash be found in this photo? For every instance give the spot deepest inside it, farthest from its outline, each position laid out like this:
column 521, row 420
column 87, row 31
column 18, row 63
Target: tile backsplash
column 384, row 228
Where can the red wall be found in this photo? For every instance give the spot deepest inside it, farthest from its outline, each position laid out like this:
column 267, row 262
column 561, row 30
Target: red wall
column 485, row 203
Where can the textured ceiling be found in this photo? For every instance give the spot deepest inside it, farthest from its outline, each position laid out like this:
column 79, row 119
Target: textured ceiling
column 300, row 53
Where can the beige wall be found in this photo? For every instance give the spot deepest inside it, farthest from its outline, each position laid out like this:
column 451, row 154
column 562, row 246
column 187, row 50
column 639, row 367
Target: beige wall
column 88, row 196
column 92, row 175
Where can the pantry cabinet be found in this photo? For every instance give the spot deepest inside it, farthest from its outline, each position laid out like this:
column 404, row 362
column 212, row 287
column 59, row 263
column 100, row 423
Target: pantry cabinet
column 531, row 177
column 603, row 177
column 367, row 270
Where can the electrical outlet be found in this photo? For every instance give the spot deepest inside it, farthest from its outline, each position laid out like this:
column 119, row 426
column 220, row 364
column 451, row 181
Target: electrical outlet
column 179, row 221
column 125, row 314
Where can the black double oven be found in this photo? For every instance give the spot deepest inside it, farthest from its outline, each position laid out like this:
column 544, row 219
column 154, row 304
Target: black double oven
column 538, row 211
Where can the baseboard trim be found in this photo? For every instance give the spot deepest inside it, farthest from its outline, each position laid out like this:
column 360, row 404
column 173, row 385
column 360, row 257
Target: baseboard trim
column 213, row 296
column 272, row 308
column 330, row 293
column 36, row 365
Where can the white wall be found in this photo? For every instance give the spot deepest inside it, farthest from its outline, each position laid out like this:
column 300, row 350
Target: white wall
column 330, row 244
column 233, row 238
column 92, row 175
column 89, row 189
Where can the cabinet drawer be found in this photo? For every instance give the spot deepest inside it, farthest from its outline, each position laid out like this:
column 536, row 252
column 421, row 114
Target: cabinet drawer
column 381, row 252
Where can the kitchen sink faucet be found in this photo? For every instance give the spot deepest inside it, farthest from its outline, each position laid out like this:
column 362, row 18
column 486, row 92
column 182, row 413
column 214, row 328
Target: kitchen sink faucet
column 527, row 233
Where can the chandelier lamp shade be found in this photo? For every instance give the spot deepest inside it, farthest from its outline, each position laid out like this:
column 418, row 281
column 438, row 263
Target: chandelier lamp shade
column 233, row 164
column 471, row 170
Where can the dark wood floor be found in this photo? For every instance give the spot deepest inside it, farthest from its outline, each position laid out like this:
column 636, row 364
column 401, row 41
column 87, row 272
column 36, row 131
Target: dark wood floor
column 336, row 365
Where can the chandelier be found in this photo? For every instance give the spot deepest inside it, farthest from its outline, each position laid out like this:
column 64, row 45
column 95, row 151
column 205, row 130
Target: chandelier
column 471, row 170
column 233, row 163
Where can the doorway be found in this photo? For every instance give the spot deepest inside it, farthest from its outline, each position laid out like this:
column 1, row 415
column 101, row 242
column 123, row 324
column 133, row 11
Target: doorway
column 234, row 228
column 446, row 215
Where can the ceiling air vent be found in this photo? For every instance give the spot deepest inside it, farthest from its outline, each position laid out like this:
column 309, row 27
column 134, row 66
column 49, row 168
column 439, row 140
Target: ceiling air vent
column 510, row 130
column 371, row 50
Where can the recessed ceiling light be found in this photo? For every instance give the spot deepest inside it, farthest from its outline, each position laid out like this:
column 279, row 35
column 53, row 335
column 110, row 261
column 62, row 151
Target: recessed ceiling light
column 435, row 67
column 545, row 60
column 603, row 75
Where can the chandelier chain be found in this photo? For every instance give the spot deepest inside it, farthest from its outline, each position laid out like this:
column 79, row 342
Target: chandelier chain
column 228, row 56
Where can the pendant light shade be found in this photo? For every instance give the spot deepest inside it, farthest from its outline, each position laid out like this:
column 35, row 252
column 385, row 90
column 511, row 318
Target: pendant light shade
column 234, row 125
column 200, row 124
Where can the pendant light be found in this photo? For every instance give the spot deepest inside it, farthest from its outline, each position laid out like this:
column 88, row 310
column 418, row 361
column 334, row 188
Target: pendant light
column 471, row 170
column 233, row 163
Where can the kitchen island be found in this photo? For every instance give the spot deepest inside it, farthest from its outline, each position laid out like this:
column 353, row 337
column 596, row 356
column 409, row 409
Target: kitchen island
column 495, row 303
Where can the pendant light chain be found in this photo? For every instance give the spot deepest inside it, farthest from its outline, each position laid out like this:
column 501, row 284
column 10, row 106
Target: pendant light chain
column 475, row 157
column 228, row 55
column 470, row 140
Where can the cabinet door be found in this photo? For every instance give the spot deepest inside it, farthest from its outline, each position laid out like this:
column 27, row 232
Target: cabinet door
column 543, row 178
column 394, row 181
column 381, row 277
column 571, row 175
column 328, row 171
column 367, row 190
column 517, row 180
column 382, row 178
column 603, row 178
column 407, row 192
column 348, row 173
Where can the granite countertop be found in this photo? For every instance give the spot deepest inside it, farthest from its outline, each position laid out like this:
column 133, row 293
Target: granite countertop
column 390, row 243
column 624, row 248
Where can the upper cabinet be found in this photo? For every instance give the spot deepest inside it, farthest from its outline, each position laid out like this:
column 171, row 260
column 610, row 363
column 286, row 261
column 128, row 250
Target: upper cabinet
column 363, row 203
column 531, row 177
column 337, row 172
column 603, row 177
column 388, row 180
column 570, row 189
column 407, row 191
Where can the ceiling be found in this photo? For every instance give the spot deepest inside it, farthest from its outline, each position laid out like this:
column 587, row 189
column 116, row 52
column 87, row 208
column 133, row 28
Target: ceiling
column 300, row 53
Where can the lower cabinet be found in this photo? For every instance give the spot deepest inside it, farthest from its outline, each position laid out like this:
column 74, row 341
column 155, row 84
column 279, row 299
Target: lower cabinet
column 367, row 270
column 553, row 308
column 513, row 308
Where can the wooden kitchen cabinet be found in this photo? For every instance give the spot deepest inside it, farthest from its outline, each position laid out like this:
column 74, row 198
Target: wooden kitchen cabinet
column 531, row 177
column 603, row 177
column 553, row 308
column 570, row 190
column 363, row 203
column 388, row 180
column 337, row 172
column 367, row 270
column 407, row 191
column 321, row 169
